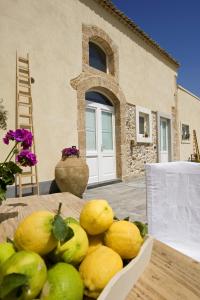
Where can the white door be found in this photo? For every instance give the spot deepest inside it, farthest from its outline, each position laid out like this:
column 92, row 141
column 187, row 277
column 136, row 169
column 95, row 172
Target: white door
column 164, row 140
column 100, row 142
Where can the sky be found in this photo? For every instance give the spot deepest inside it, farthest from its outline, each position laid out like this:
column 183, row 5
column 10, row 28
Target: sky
column 175, row 26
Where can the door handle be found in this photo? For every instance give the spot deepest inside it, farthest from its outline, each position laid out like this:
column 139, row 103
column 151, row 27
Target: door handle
column 101, row 148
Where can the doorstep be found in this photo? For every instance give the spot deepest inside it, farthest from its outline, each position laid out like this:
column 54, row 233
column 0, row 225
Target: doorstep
column 102, row 183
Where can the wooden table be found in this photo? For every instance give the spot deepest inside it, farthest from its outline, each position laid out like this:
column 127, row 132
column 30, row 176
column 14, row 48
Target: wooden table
column 170, row 275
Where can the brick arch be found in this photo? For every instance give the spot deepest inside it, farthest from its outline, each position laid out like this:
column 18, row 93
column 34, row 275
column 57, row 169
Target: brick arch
column 112, row 90
column 92, row 33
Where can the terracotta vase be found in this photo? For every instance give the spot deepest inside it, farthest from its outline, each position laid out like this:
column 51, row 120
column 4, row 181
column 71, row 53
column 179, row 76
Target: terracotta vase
column 71, row 175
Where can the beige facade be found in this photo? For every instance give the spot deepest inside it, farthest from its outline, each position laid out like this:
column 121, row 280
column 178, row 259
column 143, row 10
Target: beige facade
column 189, row 114
column 56, row 35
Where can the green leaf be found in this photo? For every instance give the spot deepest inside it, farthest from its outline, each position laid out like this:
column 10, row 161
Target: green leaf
column 13, row 167
column 61, row 231
column 143, row 228
column 126, row 219
column 12, row 282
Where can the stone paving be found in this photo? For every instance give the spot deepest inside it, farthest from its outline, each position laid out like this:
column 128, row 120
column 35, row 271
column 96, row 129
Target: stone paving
column 126, row 198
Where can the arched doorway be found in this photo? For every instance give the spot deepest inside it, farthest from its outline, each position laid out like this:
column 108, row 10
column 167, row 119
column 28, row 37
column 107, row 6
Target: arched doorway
column 100, row 137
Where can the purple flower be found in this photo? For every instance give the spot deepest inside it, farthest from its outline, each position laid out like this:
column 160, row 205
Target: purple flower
column 26, row 158
column 25, row 137
column 22, row 136
column 70, row 151
column 10, row 135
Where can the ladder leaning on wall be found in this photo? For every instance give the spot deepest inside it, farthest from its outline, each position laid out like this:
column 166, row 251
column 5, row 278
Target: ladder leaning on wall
column 196, row 154
column 28, row 180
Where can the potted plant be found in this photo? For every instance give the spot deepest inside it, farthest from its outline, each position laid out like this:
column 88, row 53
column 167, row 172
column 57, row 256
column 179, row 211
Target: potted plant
column 71, row 172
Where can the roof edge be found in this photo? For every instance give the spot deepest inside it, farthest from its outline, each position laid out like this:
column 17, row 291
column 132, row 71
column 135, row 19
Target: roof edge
column 188, row 92
column 130, row 24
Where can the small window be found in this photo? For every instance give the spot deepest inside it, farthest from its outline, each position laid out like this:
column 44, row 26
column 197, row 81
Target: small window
column 143, row 125
column 97, row 57
column 185, row 133
column 97, row 97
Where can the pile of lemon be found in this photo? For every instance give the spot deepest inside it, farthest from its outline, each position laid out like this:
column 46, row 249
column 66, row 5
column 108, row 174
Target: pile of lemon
column 38, row 266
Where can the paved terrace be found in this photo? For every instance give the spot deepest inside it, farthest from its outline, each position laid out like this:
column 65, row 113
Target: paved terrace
column 126, row 198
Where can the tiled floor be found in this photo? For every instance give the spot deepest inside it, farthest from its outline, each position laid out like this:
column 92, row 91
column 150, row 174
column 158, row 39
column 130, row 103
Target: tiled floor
column 126, row 198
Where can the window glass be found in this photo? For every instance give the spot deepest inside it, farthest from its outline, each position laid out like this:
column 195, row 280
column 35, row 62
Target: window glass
column 107, row 134
column 90, row 129
column 141, row 124
column 164, row 135
column 144, row 124
column 97, row 57
column 97, row 97
column 185, row 132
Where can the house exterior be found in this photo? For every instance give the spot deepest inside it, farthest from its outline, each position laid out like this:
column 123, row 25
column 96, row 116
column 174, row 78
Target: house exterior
column 100, row 83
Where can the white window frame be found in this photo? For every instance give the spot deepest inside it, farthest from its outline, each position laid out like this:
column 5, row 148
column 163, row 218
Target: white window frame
column 140, row 137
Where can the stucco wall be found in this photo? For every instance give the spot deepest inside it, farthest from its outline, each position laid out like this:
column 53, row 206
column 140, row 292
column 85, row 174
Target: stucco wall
column 189, row 113
column 51, row 32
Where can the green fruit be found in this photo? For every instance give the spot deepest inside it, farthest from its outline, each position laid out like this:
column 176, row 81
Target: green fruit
column 74, row 250
column 29, row 264
column 6, row 250
column 63, row 283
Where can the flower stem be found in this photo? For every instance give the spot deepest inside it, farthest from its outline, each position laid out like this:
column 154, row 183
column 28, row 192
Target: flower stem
column 10, row 154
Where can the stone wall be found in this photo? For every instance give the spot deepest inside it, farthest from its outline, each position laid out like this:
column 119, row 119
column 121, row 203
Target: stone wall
column 138, row 153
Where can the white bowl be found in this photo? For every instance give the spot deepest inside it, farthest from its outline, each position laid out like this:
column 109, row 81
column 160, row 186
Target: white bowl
column 121, row 284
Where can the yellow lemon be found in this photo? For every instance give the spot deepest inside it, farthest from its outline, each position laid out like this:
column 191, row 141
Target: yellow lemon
column 6, row 250
column 94, row 242
column 124, row 238
column 34, row 233
column 96, row 216
column 98, row 268
column 74, row 250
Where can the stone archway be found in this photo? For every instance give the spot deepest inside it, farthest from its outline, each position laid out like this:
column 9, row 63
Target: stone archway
column 110, row 89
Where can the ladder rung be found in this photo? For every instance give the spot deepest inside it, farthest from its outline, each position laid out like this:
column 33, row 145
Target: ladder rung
column 28, row 185
column 25, row 76
column 24, row 60
column 25, row 125
column 27, row 174
column 22, row 70
column 25, row 115
column 23, row 103
column 24, row 93
column 21, row 81
column 25, row 85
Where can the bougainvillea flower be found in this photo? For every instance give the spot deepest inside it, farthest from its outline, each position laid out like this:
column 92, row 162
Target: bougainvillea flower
column 26, row 158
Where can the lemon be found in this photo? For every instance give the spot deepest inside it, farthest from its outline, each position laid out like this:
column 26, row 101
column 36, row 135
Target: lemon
column 29, row 264
column 63, row 283
column 94, row 242
column 98, row 268
column 34, row 233
column 96, row 216
column 124, row 238
column 74, row 250
column 6, row 250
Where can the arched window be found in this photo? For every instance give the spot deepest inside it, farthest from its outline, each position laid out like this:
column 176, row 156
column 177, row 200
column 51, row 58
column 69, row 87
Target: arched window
column 97, row 97
column 97, row 57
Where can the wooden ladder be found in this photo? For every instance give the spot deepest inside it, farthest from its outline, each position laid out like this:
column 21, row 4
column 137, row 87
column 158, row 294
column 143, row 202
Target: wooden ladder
column 24, row 119
column 195, row 147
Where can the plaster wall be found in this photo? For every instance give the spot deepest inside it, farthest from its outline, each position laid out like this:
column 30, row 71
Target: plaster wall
column 51, row 32
column 189, row 113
